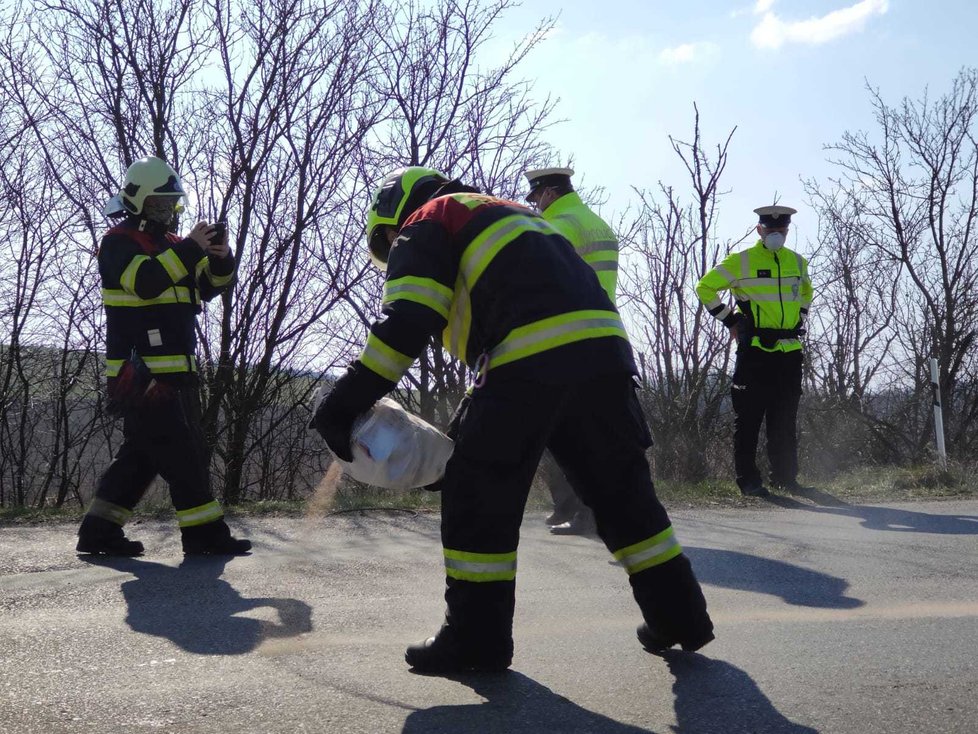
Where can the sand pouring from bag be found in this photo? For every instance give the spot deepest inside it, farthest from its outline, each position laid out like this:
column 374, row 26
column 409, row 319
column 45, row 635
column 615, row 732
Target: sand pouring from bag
column 321, row 501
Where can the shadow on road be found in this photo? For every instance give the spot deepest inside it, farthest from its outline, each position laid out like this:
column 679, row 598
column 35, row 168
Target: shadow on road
column 881, row 518
column 799, row 586
column 514, row 704
column 192, row 606
column 714, row 696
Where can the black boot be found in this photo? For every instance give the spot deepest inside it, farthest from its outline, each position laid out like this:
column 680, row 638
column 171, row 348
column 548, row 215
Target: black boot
column 655, row 642
column 102, row 537
column 446, row 653
column 212, row 539
column 673, row 605
column 581, row 524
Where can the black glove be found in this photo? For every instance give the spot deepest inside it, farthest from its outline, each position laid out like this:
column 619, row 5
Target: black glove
column 335, row 424
column 353, row 394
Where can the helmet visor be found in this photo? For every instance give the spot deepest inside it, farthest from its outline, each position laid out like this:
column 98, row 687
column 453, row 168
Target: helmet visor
column 379, row 246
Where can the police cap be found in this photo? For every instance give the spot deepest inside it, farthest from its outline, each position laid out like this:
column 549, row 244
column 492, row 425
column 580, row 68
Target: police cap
column 774, row 216
column 543, row 178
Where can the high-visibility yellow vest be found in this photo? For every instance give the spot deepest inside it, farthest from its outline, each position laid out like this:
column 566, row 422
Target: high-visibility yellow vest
column 772, row 288
column 591, row 236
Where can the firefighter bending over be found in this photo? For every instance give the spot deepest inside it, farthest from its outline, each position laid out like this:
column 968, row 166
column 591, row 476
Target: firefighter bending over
column 514, row 301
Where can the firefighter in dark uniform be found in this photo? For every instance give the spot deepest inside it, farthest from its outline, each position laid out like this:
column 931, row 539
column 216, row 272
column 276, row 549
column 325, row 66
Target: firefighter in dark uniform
column 553, row 366
column 153, row 283
column 552, row 193
column 773, row 293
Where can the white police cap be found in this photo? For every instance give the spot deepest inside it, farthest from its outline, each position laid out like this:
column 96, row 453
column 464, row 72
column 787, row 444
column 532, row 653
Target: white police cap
column 546, row 177
column 774, row 215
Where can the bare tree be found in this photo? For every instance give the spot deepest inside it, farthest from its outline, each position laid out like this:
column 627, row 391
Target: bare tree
column 915, row 180
column 683, row 352
column 445, row 111
column 279, row 117
column 852, row 343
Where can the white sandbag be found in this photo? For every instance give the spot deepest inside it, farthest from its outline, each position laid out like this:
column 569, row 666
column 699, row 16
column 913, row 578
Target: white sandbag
column 394, row 449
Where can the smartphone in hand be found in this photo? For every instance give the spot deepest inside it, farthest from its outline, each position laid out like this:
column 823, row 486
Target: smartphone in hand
column 220, row 232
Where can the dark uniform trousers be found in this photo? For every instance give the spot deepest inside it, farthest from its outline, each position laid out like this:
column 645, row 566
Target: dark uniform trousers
column 161, row 437
column 766, row 388
column 598, row 436
column 566, row 502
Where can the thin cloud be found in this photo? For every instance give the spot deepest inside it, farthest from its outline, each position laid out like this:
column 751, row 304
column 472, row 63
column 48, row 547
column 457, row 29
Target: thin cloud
column 760, row 7
column 686, row 53
column 772, row 32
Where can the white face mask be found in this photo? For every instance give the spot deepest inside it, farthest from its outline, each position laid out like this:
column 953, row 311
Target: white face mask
column 774, row 241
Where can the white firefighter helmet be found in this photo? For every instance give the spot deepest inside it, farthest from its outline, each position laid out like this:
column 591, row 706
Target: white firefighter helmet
column 148, row 176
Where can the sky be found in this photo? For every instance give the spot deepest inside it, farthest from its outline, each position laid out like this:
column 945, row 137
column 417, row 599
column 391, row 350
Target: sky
column 791, row 75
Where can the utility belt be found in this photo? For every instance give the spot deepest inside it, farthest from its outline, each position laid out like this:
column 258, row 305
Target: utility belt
column 767, row 337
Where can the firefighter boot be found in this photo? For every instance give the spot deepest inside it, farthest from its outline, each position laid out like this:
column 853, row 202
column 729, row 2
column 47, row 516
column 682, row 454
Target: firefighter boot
column 673, row 606
column 656, row 642
column 446, row 652
column 212, row 539
column 478, row 630
column 99, row 536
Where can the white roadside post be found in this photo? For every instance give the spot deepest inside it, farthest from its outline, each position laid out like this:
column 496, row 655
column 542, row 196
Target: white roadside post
column 935, row 384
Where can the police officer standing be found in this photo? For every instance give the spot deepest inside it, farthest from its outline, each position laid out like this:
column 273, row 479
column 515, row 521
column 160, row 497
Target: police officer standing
column 773, row 292
column 554, row 369
column 153, row 284
column 553, row 195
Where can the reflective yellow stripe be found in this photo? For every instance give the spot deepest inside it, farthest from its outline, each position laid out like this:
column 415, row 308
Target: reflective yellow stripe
column 204, row 268
column 726, row 274
column 745, row 283
column 200, row 515
column 384, row 360
column 786, row 295
column 426, row 291
column 480, row 567
column 218, row 280
column 554, row 332
column 470, row 201
column 159, row 365
column 128, row 279
column 650, row 552
column 174, row 294
column 456, row 334
column 109, row 511
column 173, row 266
column 487, row 245
column 605, row 246
column 170, row 363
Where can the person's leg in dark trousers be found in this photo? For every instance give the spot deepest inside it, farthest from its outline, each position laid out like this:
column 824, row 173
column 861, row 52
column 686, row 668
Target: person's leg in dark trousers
column 600, row 440
column 499, row 440
column 782, row 417
column 184, row 462
column 163, row 436
column 749, row 395
column 566, row 502
column 119, row 490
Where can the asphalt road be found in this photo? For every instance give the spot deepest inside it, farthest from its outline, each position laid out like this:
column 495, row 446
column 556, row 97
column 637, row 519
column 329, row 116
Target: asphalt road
column 830, row 618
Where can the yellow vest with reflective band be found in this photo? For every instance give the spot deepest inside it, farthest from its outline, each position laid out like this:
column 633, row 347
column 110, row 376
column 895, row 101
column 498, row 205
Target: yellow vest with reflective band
column 591, row 236
column 773, row 287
